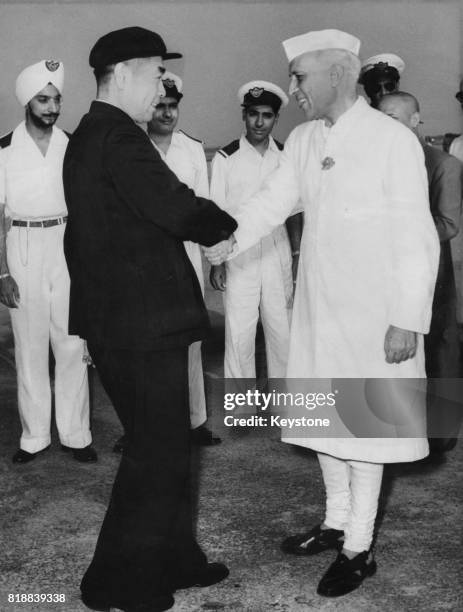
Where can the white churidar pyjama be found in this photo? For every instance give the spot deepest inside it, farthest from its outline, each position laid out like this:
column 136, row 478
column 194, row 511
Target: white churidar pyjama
column 352, row 492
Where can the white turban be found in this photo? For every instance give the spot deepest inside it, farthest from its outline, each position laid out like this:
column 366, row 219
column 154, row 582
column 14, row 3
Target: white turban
column 34, row 78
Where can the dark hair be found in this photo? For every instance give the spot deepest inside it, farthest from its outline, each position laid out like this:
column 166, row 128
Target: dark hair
column 103, row 73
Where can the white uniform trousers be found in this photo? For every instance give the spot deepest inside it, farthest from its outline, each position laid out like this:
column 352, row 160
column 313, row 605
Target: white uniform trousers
column 352, row 492
column 36, row 262
column 255, row 281
column 198, row 414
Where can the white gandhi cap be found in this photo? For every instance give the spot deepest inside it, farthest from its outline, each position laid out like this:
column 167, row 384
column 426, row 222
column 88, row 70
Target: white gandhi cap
column 319, row 41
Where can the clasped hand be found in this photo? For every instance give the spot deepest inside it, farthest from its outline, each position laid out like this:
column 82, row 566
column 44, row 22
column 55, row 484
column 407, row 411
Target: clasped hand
column 219, row 252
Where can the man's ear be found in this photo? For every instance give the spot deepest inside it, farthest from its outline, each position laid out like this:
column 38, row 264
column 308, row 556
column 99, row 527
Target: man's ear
column 243, row 114
column 120, row 74
column 415, row 119
column 277, row 116
column 336, row 74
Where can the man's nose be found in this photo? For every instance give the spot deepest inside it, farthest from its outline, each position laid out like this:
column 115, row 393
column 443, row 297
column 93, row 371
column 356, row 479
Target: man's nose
column 259, row 121
column 292, row 85
column 383, row 90
column 54, row 106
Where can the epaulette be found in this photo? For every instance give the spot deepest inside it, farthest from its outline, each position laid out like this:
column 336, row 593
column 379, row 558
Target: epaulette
column 192, row 138
column 279, row 145
column 229, row 149
column 5, row 140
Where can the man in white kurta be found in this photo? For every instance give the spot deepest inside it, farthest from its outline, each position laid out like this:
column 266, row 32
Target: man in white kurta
column 259, row 280
column 185, row 156
column 34, row 283
column 367, row 271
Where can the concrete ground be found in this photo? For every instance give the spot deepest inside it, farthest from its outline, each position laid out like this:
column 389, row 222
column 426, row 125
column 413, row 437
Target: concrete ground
column 252, row 491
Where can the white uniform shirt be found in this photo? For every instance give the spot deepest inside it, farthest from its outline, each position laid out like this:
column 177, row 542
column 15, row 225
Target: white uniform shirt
column 456, row 147
column 31, row 184
column 185, row 157
column 238, row 175
column 369, row 255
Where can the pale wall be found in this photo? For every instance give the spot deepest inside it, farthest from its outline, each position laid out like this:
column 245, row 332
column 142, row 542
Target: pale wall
column 227, row 43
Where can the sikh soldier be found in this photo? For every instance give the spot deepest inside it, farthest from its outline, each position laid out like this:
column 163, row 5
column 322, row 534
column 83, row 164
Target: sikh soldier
column 259, row 280
column 34, row 280
column 366, row 278
column 380, row 75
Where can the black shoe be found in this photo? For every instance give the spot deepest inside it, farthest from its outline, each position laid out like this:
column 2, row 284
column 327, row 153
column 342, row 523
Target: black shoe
column 210, row 574
column 441, row 445
column 313, row 542
column 84, row 455
column 202, row 436
column 346, row 575
column 22, row 456
column 95, row 603
column 163, row 602
column 120, row 445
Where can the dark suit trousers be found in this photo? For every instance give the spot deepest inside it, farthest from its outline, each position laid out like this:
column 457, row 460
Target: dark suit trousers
column 443, row 360
column 146, row 537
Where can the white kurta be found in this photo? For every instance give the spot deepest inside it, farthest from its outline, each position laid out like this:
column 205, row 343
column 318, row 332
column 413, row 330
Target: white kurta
column 186, row 158
column 259, row 279
column 369, row 256
column 31, row 185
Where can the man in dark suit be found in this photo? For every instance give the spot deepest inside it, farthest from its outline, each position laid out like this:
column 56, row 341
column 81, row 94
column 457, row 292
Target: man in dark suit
column 136, row 300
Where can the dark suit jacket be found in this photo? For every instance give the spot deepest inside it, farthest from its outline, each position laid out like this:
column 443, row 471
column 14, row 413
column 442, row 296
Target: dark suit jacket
column 445, row 179
column 132, row 284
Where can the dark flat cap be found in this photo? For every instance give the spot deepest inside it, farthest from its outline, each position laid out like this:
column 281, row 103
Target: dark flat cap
column 125, row 44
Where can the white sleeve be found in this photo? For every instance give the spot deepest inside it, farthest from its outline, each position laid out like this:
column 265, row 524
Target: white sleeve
column 273, row 204
column 415, row 243
column 2, row 176
column 201, row 181
column 218, row 190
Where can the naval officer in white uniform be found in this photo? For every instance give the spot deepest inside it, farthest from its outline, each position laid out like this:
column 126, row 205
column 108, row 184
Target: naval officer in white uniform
column 258, row 281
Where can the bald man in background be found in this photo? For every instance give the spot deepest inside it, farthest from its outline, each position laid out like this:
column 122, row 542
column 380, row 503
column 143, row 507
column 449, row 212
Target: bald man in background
column 445, row 178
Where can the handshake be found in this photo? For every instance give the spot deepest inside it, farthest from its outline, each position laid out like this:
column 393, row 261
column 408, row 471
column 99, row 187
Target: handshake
column 218, row 253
